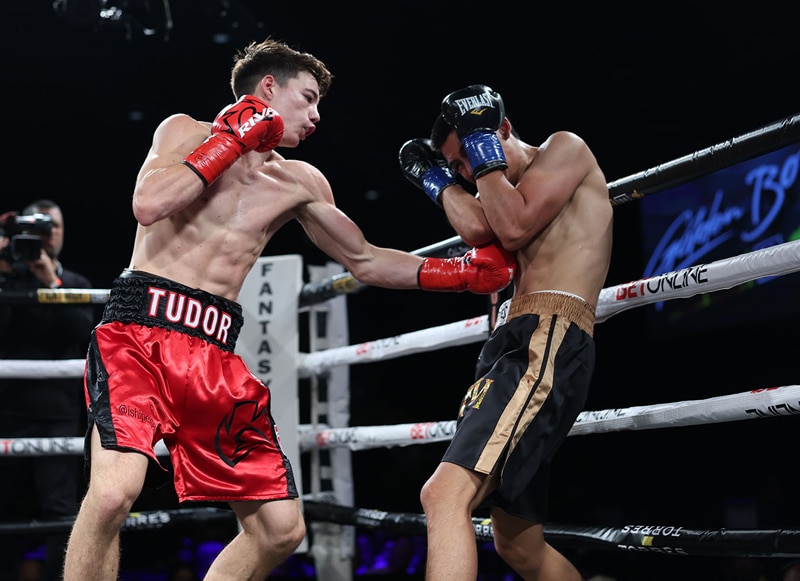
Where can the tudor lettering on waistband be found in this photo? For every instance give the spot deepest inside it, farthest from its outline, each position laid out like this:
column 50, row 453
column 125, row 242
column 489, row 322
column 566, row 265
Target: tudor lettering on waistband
column 177, row 308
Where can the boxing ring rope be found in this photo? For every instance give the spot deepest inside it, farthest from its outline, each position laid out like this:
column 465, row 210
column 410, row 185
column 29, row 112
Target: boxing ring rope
column 673, row 540
column 756, row 404
column 667, row 539
column 146, row 520
column 720, row 275
column 701, row 278
column 684, row 169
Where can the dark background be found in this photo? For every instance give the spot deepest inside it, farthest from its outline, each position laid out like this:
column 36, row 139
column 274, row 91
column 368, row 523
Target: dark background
column 642, row 85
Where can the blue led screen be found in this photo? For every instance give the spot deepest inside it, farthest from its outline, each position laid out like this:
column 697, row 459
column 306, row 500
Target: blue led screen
column 748, row 206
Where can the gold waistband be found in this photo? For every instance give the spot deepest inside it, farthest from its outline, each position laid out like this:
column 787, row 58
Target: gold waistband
column 567, row 305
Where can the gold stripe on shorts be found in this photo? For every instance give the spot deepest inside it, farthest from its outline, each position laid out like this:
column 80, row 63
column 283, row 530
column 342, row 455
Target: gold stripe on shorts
column 522, row 409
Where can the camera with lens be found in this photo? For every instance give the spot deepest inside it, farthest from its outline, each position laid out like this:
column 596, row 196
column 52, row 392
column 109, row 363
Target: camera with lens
column 25, row 237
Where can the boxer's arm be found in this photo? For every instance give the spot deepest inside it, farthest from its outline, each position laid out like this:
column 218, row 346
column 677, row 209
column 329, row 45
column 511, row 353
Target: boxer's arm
column 167, row 184
column 164, row 185
column 332, row 231
column 482, row 271
column 335, row 234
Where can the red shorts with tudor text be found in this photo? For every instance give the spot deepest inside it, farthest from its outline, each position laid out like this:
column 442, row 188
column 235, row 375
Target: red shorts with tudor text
column 161, row 366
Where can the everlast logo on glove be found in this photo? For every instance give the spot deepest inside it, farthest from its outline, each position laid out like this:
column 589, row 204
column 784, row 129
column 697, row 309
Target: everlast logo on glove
column 476, row 113
column 475, row 104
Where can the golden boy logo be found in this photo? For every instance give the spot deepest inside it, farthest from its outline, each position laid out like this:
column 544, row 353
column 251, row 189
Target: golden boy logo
column 475, row 394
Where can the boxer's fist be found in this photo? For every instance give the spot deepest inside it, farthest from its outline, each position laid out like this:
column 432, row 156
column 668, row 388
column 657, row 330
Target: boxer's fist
column 252, row 123
column 423, row 168
column 247, row 125
column 476, row 113
column 473, row 108
column 482, row 270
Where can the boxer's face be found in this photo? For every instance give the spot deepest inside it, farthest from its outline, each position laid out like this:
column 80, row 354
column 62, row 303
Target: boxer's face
column 456, row 157
column 297, row 101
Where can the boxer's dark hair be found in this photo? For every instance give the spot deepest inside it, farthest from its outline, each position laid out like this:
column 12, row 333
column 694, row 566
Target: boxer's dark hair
column 439, row 132
column 273, row 57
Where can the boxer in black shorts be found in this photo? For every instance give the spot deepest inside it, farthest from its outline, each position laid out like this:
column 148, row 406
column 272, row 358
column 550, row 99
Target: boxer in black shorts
column 532, row 380
column 549, row 205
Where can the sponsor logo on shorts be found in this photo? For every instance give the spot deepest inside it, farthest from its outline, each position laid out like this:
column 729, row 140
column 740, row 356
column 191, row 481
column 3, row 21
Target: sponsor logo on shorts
column 475, row 394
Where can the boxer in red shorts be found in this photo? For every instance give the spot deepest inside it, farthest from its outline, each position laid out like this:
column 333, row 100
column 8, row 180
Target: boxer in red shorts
column 228, row 445
column 161, row 364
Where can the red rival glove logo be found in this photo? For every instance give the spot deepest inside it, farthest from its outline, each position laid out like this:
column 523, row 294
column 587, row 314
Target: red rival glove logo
column 244, row 115
column 249, row 124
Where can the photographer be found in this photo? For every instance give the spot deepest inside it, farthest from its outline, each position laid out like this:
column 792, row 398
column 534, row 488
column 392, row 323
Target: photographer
column 47, row 487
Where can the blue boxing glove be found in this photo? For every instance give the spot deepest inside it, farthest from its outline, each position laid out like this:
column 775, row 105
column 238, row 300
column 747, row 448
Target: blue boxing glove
column 476, row 113
column 424, row 168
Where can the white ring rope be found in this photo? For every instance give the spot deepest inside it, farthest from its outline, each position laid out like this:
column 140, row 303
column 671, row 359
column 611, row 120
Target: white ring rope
column 759, row 403
column 756, row 404
column 720, row 275
column 59, row 446
column 703, row 278
column 41, row 369
column 449, row 335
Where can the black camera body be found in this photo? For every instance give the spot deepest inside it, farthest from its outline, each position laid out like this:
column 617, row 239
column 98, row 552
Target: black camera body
column 25, row 237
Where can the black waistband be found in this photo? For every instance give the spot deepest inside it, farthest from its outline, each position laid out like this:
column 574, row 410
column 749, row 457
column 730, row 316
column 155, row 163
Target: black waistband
column 150, row 300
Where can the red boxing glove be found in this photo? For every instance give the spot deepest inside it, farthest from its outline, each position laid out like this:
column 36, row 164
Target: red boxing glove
column 248, row 124
column 482, row 270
